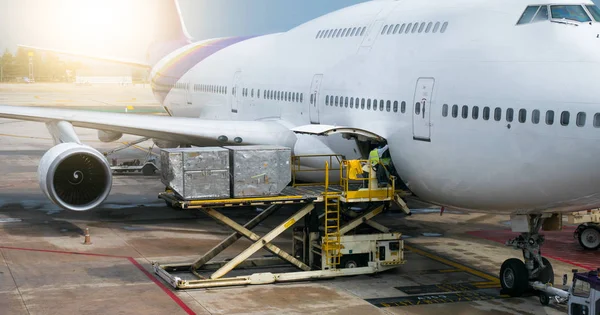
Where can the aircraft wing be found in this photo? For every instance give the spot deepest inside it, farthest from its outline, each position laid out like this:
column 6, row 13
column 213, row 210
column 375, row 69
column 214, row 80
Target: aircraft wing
column 195, row 131
column 131, row 63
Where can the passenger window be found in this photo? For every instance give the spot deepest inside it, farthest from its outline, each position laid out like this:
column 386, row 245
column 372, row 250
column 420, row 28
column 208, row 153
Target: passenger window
column 535, row 116
column 390, row 29
column 408, row 27
column 353, row 32
column 403, row 107
column 388, row 106
column 374, row 104
column 418, row 108
column 597, row 120
column 257, row 93
column 509, row 114
column 351, row 102
column 384, row 30
column 454, row 111
column 363, row 31
column 293, row 97
column 569, row 12
column 346, row 102
column 445, row 110
column 395, row 106
column 486, row 113
column 381, row 105
column 528, row 14
column 402, row 28
column 436, row 27
column 318, row 34
column 497, row 114
column 465, row 111
column 301, row 97
column 328, row 33
column 522, row 115
column 362, row 103
column 369, row 104
column 415, row 27
column 564, row 118
column 550, row 117
column 421, row 27
column 580, row 121
column 344, row 32
column 429, row 25
column 475, row 112
column 444, row 27
column 396, row 28
column 337, row 101
column 542, row 14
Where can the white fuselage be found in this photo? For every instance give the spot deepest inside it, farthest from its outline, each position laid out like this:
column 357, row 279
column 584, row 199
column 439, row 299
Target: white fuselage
column 476, row 58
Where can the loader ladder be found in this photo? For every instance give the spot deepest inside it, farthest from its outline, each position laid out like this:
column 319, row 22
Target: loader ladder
column 331, row 241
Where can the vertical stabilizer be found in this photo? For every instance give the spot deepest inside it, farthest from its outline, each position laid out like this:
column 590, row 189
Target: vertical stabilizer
column 169, row 31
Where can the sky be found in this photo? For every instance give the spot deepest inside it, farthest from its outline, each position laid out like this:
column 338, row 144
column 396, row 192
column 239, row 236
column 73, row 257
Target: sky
column 122, row 28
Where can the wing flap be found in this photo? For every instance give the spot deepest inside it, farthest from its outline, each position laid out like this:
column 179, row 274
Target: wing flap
column 195, row 131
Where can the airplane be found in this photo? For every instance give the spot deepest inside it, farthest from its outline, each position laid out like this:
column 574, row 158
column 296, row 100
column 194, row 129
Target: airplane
column 487, row 106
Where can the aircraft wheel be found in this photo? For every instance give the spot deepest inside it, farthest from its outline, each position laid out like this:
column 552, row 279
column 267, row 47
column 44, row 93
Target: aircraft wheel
column 589, row 238
column 514, row 277
column 546, row 275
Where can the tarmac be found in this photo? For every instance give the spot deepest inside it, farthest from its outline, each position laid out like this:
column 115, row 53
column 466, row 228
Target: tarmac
column 45, row 268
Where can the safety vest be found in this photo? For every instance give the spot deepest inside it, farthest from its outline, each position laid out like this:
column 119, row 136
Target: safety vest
column 386, row 161
column 374, row 157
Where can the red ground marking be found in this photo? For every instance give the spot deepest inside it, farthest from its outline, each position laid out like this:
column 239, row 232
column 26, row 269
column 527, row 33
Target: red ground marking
column 559, row 245
column 132, row 260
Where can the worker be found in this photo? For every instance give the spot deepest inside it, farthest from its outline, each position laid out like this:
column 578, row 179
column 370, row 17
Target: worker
column 374, row 157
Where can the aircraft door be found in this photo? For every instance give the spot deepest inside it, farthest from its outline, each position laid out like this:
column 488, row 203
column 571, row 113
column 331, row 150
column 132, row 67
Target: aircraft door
column 236, row 92
column 313, row 100
column 372, row 35
column 422, row 107
column 188, row 93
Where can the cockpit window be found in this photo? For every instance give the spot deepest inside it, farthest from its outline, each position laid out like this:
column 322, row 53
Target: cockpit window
column 528, row 14
column 594, row 11
column 569, row 12
column 542, row 14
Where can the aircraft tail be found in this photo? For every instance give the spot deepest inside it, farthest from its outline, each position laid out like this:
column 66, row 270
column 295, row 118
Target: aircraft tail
column 169, row 31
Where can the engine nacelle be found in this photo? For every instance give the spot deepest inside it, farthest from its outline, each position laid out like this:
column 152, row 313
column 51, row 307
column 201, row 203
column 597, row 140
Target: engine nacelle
column 75, row 177
column 109, row 136
column 166, row 144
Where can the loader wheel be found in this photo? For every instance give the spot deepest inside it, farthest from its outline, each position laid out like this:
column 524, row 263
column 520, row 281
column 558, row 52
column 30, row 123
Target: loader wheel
column 148, row 170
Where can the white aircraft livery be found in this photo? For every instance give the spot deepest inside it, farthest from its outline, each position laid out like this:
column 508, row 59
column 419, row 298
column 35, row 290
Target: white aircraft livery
column 487, row 106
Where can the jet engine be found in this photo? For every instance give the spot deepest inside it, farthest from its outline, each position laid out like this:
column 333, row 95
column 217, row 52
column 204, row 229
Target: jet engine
column 74, row 176
column 165, row 144
column 109, row 136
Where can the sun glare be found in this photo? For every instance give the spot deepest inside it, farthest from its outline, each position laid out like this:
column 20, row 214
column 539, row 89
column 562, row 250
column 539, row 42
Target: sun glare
column 99, row 27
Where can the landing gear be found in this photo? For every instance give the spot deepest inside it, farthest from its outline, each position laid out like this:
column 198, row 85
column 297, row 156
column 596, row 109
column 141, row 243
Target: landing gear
column 516, row 275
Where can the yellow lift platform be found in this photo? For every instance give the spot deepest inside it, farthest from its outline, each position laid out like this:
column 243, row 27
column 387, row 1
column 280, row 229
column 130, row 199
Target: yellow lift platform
column 329, row 248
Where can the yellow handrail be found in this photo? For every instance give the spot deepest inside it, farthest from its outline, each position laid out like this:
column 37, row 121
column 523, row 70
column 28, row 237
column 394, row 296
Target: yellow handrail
column 298, row 169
